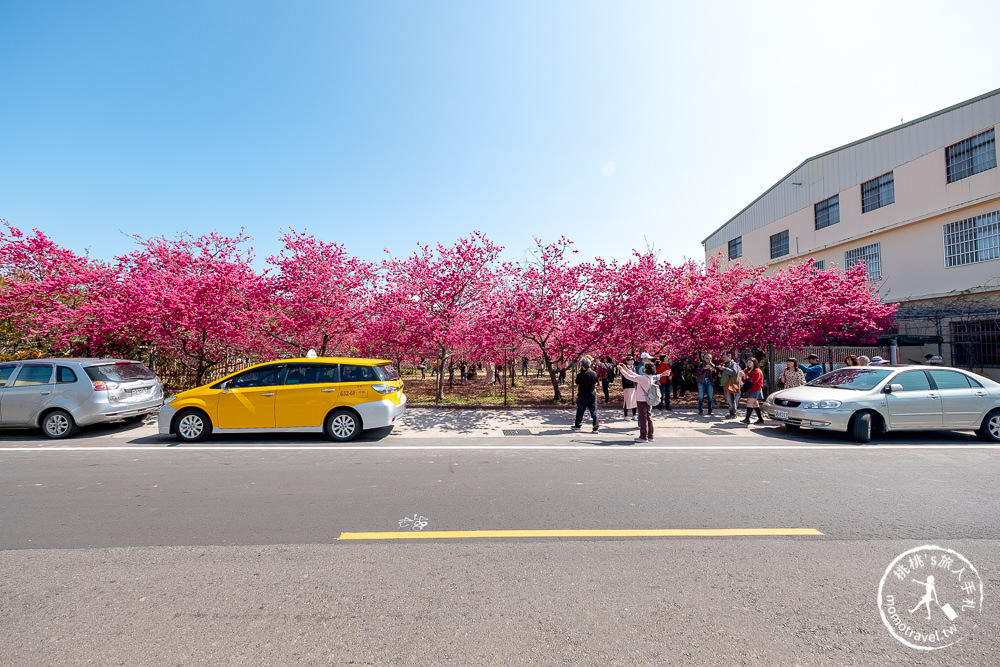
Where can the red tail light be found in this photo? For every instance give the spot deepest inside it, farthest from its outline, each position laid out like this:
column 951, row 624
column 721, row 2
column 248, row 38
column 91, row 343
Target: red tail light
column 104, row 386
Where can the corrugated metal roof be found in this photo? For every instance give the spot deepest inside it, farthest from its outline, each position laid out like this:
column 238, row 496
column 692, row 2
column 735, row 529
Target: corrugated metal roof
column 826, row 174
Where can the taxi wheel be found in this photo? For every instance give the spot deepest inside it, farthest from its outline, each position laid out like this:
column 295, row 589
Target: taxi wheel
column 342, row 426
column 192, row 426
column 59, row 424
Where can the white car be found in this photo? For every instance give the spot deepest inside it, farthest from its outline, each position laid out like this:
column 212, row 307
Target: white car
column 865, row 399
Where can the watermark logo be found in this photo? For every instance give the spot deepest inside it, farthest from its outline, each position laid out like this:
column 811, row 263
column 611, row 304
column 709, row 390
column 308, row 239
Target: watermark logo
column 930, row 597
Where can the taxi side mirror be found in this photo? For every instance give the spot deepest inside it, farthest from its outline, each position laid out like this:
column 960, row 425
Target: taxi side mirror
column 225, row 386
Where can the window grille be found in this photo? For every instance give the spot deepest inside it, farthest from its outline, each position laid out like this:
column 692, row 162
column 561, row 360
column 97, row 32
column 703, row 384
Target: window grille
column 827, row 212
column 975, row 344
column 877, row 193
column 971, row 156
column 972, row 240
column 819, row 265
column 736, row 248
column 868, row 255
column 779, row 244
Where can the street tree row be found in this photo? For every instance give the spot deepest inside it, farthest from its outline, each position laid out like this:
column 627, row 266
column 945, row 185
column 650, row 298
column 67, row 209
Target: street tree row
column 200, row 300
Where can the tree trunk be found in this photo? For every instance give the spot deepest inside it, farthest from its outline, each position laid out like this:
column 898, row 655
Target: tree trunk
column 440, row 377
column 553, row 376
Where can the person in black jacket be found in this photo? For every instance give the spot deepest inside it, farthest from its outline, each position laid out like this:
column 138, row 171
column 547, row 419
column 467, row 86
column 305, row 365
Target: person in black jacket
column 586, row 396
column 677, row 374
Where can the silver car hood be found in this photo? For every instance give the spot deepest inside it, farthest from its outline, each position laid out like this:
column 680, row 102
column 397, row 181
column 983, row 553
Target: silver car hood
column 809, row 393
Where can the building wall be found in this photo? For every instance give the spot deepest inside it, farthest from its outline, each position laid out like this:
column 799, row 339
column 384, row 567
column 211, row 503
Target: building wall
column 909, row 231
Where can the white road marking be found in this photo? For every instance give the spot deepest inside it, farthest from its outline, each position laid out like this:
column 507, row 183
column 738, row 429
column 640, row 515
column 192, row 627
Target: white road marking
column 383, row 448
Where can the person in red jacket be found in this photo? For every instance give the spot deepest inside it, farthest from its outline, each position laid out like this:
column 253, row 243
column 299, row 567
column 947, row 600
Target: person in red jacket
column 663, row 369
column 756, row 391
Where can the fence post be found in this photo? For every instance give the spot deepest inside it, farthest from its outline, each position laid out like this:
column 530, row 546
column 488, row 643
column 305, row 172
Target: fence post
column 770, row 368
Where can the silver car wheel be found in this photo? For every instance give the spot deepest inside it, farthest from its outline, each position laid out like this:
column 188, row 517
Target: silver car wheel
column 994, row 426
column 56, row 425
column 190, row 426
column 342, row 426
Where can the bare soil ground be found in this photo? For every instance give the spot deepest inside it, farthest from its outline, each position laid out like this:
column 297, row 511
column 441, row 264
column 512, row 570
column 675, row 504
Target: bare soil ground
column 531, row 390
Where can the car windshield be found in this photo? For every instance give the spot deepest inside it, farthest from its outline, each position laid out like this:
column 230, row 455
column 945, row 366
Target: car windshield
column 859, row 379
column 387, row 372
column 120, row 372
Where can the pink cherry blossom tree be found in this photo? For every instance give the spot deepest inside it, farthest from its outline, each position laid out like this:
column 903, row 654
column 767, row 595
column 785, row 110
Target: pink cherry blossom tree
column 320, row 294
column 197, row 299
column 431, row 301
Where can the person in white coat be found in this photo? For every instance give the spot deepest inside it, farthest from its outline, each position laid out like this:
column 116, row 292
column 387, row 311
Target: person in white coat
column 643, row 381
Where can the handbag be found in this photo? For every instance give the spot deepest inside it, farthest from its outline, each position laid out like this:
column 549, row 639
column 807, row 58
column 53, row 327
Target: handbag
column 733, row 386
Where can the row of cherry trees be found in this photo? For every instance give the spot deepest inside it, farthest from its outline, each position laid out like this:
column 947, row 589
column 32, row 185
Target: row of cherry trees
column 200, row 300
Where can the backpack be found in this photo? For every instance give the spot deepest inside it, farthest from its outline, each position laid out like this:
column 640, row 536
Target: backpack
column 653, row 395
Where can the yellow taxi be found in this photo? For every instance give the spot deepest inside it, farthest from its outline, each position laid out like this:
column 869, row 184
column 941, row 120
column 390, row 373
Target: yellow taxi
column 339, row 396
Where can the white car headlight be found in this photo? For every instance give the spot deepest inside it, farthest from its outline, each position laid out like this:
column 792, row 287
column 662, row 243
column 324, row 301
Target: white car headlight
column 821, row 405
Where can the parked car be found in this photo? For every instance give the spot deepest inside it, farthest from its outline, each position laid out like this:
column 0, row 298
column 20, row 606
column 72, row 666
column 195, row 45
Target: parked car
column 339, row 396
column 866, row 399
column 61, row 395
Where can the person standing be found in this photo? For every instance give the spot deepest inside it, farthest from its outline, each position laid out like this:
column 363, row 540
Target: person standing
column 729, row 380
column 628, row 389
column 524, row 366
column 706, row 382
column 586, row 396
column 643, row 381
column 756, row 391
column 792, row 376
column 812, row 368
column 663, row 368
column 677, row 378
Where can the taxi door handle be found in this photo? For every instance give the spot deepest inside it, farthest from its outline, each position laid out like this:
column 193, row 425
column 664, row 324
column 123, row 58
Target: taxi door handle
column 271, row 394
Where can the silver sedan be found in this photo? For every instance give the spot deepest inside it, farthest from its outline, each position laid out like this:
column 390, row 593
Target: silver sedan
column 877, row 399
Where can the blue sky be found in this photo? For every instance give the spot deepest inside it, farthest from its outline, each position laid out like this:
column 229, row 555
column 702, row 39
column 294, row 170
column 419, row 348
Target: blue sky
column 381, row 125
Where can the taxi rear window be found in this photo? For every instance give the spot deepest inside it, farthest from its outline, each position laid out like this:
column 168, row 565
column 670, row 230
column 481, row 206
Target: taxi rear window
column 387, row 373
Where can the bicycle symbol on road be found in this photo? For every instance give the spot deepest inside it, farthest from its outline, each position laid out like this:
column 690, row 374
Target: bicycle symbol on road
column 416, row 522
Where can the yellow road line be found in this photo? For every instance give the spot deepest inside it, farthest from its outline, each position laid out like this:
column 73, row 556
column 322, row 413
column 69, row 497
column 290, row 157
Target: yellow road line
column 639, row 532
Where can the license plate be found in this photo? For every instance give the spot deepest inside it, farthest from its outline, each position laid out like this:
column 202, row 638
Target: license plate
column 142, row 391
column 781, row 414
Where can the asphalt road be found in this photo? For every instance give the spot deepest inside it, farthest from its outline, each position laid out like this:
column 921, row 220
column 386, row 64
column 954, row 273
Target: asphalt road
column 134, row 551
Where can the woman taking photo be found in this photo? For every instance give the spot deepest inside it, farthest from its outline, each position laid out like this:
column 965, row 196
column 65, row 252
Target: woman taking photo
column 792, row 376
column 756, row 391
column 643, row 381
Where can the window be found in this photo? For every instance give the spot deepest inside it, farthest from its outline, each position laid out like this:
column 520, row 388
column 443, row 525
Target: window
column 358, row 374
column 736, row 248
column 266, row 376
column 123, row 371
column 912, row 381
column 972, row 240
column 779, row 244
column 951, row 380
column 312, row 374
column 827, row 212
column 975, row 344
column 971, row 156
column 5, row 373
column 33, row 375
column 65, row 375
column 819, row 265
column 868, row 255
column 877, row 193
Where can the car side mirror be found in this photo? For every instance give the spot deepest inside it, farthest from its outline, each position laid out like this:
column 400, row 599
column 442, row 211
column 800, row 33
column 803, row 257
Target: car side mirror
column 893, row 388
column 225, row 386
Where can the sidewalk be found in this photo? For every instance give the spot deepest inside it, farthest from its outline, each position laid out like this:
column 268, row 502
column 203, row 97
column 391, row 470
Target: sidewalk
column 432, row 422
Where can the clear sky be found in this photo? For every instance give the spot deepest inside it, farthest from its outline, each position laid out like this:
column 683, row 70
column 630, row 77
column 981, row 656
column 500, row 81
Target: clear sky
column 384, row 124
